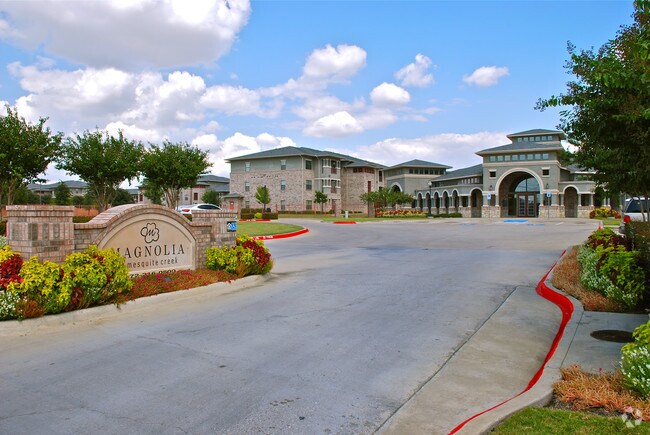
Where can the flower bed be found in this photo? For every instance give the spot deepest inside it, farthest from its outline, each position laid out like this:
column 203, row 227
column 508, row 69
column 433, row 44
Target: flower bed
column 97, row 277
column 400, row 213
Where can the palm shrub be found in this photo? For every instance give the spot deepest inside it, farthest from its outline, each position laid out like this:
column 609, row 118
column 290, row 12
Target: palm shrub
column 247, row 257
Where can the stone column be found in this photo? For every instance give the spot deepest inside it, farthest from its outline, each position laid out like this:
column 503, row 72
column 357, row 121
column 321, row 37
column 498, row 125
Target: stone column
column 44, row 231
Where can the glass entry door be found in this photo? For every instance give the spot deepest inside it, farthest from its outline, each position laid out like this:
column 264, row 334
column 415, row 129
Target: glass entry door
column 526, row 205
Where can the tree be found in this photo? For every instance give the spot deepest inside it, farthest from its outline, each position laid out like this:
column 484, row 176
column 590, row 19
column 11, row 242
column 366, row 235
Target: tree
column 384, row 197
column 62, row 194
column 25, row 152
column 262, row 196
column 174, row 167
column 103, row 161
column 320, row 198
column 122, row 196
column 152, row 191
column 608, row 114
column 211, row 197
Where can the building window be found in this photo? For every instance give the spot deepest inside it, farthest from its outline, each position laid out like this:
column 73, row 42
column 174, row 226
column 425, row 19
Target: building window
column 493, row 174
column 196, row 196
column 248, row 166
column 308, row 185
column 499, row 158
column 247, row 186
column 308, row 164
column 283, row 205
column 538, row 157
column 529, row 157
column 515, row 157
column 546, row 172
column 545, row 156
column 308, row 204
column 493, row 158
column 283, row 185
column 381, row 176
column 283, row 165
column 247, row 204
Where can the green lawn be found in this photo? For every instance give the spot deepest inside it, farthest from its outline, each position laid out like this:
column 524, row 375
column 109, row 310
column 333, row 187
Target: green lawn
column 266, row 228
column 546, row 421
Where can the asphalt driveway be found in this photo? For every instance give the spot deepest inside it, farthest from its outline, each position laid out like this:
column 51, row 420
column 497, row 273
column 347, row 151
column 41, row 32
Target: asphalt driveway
column 352, row 322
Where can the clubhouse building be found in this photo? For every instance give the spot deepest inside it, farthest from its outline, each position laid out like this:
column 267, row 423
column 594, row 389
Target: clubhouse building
column 524, row 178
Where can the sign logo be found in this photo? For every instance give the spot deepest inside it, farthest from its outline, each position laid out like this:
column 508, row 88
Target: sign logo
column 231, row 226
column 150, row 233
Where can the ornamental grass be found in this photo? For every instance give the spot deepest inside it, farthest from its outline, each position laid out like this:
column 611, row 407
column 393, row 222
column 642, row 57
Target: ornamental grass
column 603, row 392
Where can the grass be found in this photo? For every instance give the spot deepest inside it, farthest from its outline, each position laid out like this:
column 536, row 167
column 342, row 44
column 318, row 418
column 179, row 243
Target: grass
column 544, row 421
column 566, row 277
column 610, row 222
column 253, row 229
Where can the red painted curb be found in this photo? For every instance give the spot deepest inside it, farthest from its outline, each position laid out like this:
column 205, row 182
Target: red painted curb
column 566, row 307
column 344, row 223
column 281, row 236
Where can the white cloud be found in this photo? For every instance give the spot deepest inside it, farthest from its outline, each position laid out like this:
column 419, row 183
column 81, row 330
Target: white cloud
column 127, row 34
column 133, row 132
column 236, row 145
column 389, row 94
column 452, row 149
column 376, row 117
column 338, row 124
column 334, row 64
column 415, row 74
column 322, row 105
column 232, row 100
column 486, row 76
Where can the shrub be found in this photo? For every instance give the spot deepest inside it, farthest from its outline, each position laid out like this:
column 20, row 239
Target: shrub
column 82, row 219
column 400, row 213
column 635, row 361
column 604, row 237
column 610, row 269
column 258, row 215
column 604, row 212
column 3, row 241
column 248, row 257
column 85, row 278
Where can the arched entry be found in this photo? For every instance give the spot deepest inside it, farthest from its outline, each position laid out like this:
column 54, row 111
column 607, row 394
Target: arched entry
column 520, row 195
column 436, row 202
column 455, row 200
column 570, row 202
column 396, row 188
column 476, row 203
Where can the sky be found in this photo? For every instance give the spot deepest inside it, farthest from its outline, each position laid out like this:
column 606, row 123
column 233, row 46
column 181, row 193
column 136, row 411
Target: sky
column 385, row 81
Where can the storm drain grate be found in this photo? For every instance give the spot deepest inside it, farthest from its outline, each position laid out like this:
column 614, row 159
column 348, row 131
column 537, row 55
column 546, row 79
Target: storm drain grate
column 613, row 335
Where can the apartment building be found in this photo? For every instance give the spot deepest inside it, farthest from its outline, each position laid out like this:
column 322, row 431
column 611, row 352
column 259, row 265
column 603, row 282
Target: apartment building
column 294, row 174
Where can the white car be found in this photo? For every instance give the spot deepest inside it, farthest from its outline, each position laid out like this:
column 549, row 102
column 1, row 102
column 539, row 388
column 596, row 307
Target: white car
column 189, row 208
column 633, row 211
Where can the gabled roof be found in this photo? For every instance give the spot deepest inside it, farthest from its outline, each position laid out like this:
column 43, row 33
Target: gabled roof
column 288, row 151
column 472, row 171
column 291, row 151
column 537, row 132
column 72, row 184
column 210, row 178
column 420, row 164
column 522, row 146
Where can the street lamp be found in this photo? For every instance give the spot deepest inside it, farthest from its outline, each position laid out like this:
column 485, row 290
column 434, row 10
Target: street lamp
column 430, row 199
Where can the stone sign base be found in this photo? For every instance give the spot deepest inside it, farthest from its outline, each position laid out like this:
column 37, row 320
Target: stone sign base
column 149, row 237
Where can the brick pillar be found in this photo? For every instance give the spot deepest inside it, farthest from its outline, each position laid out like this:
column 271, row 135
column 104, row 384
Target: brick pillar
column 44, row 231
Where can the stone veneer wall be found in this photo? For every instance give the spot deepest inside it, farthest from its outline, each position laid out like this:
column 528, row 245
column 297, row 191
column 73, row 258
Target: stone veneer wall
column 48, row 232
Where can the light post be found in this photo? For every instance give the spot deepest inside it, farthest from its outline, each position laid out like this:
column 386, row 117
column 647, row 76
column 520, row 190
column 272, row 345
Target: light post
column 430, row 199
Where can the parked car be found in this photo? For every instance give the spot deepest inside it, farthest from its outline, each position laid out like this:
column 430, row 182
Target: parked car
column 189, row 208
column 633, row 211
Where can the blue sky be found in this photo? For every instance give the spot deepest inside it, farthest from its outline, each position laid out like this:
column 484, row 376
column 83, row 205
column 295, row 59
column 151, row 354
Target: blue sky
column 386, row 81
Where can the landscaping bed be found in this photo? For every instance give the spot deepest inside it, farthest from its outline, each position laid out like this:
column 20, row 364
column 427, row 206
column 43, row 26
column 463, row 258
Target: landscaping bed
column 608, row 273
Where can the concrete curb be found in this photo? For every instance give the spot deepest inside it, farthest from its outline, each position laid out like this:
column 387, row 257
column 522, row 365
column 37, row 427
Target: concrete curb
column 96, row 314
column 282, row 236
column 540, row 392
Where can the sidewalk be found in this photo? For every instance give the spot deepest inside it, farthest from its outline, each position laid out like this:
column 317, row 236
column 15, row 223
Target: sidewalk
column 493, row 374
